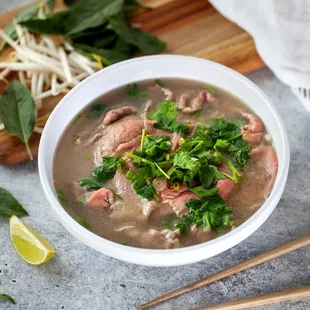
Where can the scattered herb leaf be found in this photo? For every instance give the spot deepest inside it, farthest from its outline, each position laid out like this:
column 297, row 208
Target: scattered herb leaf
column 52, row 24
column 96, row 110
column 18, row 112
column 82, row 200
column 159, row 83
column 90, row 14
column 89, row 184
column 8, row 298
column 61, row 197
column 107, row 169
column 133, row 92
column 209, row 89
column 166, row 115
column 9, row 205
column 82, row 222
column 144, row 41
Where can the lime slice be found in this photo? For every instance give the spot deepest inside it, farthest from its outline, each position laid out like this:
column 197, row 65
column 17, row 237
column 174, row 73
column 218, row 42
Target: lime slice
column 30, row 245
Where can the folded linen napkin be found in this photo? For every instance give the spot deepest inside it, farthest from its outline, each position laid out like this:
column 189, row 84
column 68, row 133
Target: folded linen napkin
column 281, row 31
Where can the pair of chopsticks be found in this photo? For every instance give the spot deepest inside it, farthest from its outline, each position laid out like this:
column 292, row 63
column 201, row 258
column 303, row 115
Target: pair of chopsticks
column 286, row 295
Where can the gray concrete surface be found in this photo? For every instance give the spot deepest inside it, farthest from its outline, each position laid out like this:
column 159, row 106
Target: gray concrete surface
column 80, row 278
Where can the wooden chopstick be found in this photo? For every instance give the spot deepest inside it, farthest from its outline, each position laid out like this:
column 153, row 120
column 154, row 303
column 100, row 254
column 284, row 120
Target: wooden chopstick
column 247, row 264
column 266, row 299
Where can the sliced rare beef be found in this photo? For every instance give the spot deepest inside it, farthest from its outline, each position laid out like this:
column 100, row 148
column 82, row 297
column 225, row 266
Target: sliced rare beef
column 188, row 105
column 116, row 114
column 99, row 199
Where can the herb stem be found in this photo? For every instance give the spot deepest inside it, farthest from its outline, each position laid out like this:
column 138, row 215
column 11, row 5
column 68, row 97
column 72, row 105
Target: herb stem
column 142, row 139
column 162, row 171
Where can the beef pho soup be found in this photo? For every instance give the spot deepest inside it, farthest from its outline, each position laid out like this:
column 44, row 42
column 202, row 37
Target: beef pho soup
column 164, row 164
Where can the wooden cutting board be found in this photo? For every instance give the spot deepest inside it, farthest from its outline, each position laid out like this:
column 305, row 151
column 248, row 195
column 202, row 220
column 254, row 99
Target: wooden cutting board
column 190, row 27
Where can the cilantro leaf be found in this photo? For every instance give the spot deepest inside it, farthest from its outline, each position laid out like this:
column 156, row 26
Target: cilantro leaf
column 89, row 184
column 185, row 161
column 141, row 184
column 166, row 115
column 82, row 222
column 208, row 175
column 134, row 93
column 96, row 110
column 207, row 212
column 202, row 192
column 107, row 169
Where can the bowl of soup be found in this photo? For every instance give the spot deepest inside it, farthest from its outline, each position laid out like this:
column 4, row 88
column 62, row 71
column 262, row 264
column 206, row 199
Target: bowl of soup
column 164, row 160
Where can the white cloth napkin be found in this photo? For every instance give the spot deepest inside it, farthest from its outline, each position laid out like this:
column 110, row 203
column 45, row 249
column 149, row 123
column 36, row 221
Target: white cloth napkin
column 281, row 31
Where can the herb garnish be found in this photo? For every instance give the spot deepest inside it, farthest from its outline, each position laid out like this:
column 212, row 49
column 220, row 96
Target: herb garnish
column 107, row 169
column 18, row 112
column 88, row 184
column 61, row 197
column 82, row 222
column 133, row 92
column 96, row 110
column 209, row 89
column 159, row 83
column 9, row 205
column 210, row 212
column 103, row 174
column 166, row 115
column 8, row 298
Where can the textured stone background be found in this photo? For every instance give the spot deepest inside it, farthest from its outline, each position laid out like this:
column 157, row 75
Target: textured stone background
column 80, row 278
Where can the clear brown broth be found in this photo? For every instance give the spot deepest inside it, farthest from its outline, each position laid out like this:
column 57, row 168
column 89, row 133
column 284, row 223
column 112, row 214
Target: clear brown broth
column 73, row 162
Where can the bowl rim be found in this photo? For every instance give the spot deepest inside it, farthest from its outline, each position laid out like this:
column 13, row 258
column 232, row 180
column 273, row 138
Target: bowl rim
column 230, row 239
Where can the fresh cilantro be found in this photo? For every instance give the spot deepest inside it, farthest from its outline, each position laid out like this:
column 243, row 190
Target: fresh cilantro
column 159, row 83
column 133, row 92
column 87, row 156
column 61, row 197
column 115, row 194
column 236, row 175
column 230, row 142
column 82, row 200
column 207, row 212
column 176, row 224
column 156, row 147
column 141, row 183
column 96, row 110
column 200, row 191
column 82, row 222
column 107, row 169
column 209, row 89
column 166, row 115
column 89, row 184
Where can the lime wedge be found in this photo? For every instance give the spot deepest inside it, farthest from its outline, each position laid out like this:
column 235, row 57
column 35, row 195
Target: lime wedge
column 29, row 244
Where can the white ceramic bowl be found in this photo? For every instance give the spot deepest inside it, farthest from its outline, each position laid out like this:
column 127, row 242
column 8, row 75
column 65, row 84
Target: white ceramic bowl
column 153, row 67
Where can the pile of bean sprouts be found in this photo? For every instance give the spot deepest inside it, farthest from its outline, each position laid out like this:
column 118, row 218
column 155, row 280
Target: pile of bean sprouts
column 43, row 66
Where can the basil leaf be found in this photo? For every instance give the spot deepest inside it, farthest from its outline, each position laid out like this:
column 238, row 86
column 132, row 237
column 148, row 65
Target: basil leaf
column 107, row 56
column 145, row 42
column 9, row 205
column 91, row 13
column 18, row 112
column 7, row 298
column 53, row 24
